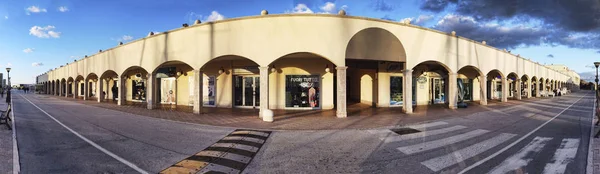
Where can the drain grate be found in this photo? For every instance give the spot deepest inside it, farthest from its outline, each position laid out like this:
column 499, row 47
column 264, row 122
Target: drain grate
column 404, row 131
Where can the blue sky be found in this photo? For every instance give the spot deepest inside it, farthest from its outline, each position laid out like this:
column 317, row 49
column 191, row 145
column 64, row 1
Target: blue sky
column 37, row 35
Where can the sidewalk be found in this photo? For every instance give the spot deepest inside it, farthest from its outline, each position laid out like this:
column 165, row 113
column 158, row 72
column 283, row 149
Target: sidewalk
column 359, row 116
column 6, row 145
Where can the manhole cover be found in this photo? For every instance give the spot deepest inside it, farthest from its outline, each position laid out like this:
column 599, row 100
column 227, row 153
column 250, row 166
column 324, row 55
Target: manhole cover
column 404, row 131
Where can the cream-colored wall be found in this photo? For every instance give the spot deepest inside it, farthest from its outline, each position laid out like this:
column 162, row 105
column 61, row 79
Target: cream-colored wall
column 264, row 39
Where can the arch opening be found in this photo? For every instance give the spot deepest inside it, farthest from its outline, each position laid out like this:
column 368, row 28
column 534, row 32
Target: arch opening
column 302, row 80
column 430, row 83
column 468, row 77
column 494, row 84
column 231, row 81
column 172, row 86
column 135, row 86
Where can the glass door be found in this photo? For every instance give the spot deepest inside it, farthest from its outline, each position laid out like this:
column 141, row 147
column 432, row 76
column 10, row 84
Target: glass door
column 246, row 91
column 438, row 90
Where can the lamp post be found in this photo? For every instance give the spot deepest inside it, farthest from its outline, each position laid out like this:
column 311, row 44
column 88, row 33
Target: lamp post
column 596, row 64
column 9, row 86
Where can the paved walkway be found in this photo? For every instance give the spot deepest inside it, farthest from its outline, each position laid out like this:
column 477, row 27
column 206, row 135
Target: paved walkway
column 6, row 144
column 595, row 149
column 359, row 116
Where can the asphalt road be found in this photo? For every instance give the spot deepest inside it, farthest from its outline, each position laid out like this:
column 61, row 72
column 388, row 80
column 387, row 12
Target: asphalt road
column 541, row 136
column 151, row 145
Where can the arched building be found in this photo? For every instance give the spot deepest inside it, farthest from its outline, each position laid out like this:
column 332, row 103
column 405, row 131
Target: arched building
column 302, row 61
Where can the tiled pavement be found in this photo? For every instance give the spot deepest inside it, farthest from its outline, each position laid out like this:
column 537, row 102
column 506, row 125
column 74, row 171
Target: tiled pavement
column 359, row 116
column 6, row 144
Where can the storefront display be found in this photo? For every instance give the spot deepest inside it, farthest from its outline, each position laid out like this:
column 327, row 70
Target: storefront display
column 396, row 88
column 138, row 90
column 168, row 91
column 209, row 91
column 302, row 91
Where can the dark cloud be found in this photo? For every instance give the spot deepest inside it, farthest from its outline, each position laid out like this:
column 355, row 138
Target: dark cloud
column 494, row 34
column 381, row 5
column 550, row 56
column 436, row 5
column 571, row 15
column 511, row 34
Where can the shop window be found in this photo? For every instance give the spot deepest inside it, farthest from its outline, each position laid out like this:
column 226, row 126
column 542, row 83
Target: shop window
column 302, row 91
column 396, row 95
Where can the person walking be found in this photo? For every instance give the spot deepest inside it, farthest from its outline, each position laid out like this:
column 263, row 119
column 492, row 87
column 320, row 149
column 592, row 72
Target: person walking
column 115, row 91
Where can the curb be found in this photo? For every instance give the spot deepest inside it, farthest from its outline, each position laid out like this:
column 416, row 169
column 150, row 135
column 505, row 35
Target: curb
column 16, row 164
column 590, row 162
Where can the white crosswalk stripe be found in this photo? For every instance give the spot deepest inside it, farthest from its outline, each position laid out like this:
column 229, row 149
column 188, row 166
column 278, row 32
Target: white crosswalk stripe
column 421, row 147
column 518, row 160
column 563, row 156
column 439, row 163
column 427, row 125
column 423, row 134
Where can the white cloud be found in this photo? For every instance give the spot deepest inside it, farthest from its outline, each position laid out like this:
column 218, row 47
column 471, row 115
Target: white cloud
column 8, row 64
column 35, row 9
column 28, row 50
column 5, row 17
column 63, row 9
column 44, row 32
column 214, row 16
column 423, row 18
column 344, row 7
column 126, row 38
column 300, row 8
column 36, row 64
column 328, row 7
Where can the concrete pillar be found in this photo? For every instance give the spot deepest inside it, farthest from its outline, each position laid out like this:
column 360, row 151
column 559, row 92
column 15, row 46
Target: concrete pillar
column 407, row 91
column 265, row 113
column 86, row 89
column 452, row 90
column 121, row 90
column 99, row 90
column 518, row 86
column 528, row 83
column 150, row 94
column 341, row 92
column 537, row 89
column 75, row 91
column 483, row 95
column 504, row 89
column 198, row 91
column 67, row 86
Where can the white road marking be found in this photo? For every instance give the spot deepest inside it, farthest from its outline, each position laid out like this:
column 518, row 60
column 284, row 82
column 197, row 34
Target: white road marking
column 518, row 160
column 441, row 142
column 382, row 133
column 427, row 125
column 518, row 140
column 563, row 156
column 109, row 153
column 423, row 134
column 439, row 163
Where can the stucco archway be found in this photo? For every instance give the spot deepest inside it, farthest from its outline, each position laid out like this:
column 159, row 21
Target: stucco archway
column 231, row 81
column 303, row 80
column 134, row 87
column 432, row 83
column 512, row 80
column 108, row 86
column 90, row 86
column 472, row 86
column 494, row 84
column 171, row 85
column 69, row 87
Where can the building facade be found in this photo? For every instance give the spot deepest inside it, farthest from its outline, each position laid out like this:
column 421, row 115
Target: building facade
column 303, row 61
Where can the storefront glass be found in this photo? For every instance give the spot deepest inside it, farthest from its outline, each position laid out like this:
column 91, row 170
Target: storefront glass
column 302, row 91
column 138, row 90
column 396, row 96
column 210, row 91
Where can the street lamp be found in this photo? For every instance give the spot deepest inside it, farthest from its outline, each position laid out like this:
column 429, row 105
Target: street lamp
column 9, row 86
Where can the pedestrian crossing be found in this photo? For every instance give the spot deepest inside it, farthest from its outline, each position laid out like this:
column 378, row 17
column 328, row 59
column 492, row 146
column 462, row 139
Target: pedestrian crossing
column 229, row 155
column 429, row 137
